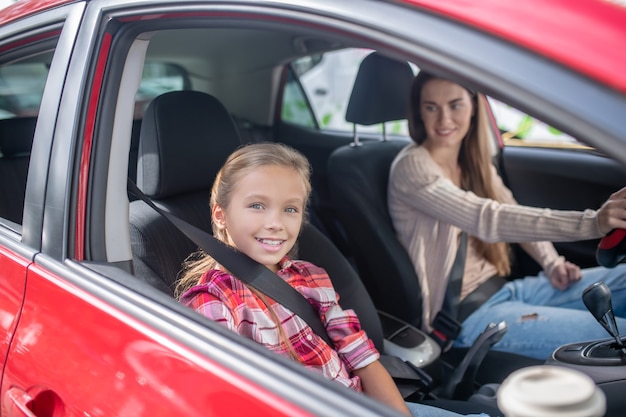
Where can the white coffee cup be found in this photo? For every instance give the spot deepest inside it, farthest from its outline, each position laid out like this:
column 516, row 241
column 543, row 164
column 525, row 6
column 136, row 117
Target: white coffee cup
column 550, row 391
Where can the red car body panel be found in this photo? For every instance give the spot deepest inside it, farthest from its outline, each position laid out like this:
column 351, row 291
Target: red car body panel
column 21, row 9
column 12, row 281
column 127, row 364
column 586, row 35
column 590, row 48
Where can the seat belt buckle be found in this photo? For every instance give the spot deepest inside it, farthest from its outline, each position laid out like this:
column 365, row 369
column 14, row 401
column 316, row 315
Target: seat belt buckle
column 445, row 330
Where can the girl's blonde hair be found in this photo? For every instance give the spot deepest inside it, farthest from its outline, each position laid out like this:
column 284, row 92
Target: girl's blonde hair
column 474, row 160
column 240, row 163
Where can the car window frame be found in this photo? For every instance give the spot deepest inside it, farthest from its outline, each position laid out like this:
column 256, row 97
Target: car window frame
column 23, row 37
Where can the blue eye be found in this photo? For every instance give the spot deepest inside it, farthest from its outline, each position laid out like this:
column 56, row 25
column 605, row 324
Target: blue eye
column 256, row 206
column 291, row 210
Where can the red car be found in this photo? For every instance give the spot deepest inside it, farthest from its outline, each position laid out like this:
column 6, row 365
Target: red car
column 89, row 324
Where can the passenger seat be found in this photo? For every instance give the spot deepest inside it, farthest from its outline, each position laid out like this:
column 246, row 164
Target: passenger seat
column 185, row 139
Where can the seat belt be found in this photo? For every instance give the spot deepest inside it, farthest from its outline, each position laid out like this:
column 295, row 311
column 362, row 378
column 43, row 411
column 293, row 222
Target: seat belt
column 455, row 279
column 244, row 268
column 446, row 326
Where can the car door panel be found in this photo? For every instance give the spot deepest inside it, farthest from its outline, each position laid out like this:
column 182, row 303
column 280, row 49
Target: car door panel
column 562, row 179
column 133, row 370
column 12, row 281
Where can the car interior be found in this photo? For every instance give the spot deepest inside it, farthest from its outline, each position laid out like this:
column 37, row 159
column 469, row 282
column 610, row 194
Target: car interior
column 227, row 90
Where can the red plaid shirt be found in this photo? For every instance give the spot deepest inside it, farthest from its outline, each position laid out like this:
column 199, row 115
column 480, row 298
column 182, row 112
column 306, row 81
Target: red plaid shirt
column 225, row 299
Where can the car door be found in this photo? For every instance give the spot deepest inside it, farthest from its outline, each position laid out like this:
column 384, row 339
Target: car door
column 24, row 62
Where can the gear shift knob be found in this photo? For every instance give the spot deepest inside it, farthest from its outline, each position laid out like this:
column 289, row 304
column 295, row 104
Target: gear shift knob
column 597, row 299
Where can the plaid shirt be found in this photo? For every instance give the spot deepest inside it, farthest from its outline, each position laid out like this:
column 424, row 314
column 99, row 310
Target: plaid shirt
column 228, row 301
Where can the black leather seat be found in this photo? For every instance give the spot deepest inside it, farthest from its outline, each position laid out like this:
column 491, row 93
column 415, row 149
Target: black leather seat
column 358, row 185
column 185, row 138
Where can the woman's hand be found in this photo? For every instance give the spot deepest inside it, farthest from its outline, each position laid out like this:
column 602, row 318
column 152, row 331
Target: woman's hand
column 563, row 275
column 612, row 214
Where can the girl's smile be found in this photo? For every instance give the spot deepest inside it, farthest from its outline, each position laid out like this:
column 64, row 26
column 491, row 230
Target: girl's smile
column 271, row 245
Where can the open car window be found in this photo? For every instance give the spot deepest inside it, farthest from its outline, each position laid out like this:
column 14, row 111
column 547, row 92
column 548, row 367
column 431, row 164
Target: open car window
column 519, row 129
column 327, row 80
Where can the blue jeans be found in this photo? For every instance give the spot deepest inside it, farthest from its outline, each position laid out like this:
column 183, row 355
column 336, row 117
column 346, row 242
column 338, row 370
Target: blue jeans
column 421, row 410
column 540, row 318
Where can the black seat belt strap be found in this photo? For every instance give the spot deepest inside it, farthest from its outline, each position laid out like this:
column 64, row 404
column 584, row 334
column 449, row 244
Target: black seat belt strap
column 446, row 326
column 455, row 279
column 244, row 268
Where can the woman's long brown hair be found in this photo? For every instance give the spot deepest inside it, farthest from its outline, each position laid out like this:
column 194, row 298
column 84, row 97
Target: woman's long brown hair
column 474, row 160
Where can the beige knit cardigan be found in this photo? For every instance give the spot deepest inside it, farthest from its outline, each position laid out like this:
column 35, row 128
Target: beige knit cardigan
column 428, row 212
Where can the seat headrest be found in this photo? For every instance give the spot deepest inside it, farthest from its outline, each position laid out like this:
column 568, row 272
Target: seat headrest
column 16, row 136
column 185, row 139
column 381, row 91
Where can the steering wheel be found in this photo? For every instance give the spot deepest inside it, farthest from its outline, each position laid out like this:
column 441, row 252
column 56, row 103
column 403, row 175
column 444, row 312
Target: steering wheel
column 612, row 248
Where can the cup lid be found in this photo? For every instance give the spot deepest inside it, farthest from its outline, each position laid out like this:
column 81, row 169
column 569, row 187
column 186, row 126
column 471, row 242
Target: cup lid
column 550, row 391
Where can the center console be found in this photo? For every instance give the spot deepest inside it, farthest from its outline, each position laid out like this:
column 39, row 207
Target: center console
column 605, row 362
